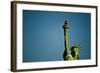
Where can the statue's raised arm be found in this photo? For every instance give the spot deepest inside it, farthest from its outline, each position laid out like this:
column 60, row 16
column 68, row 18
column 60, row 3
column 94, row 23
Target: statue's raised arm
column 72, row 54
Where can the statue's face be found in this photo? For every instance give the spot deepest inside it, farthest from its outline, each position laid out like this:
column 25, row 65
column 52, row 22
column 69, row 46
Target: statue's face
column 76, row 50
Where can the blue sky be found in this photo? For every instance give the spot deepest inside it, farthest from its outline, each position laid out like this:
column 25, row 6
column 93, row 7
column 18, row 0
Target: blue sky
column 43, row 36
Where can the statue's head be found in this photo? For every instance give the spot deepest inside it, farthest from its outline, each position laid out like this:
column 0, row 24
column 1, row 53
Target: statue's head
column 75, row 48
column 75, row 51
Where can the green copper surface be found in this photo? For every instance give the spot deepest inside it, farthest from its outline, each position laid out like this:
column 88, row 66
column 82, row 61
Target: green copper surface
column 69, row 53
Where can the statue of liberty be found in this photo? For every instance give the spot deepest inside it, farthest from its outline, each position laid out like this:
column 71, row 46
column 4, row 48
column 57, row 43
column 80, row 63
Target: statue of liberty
column 73, row 53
